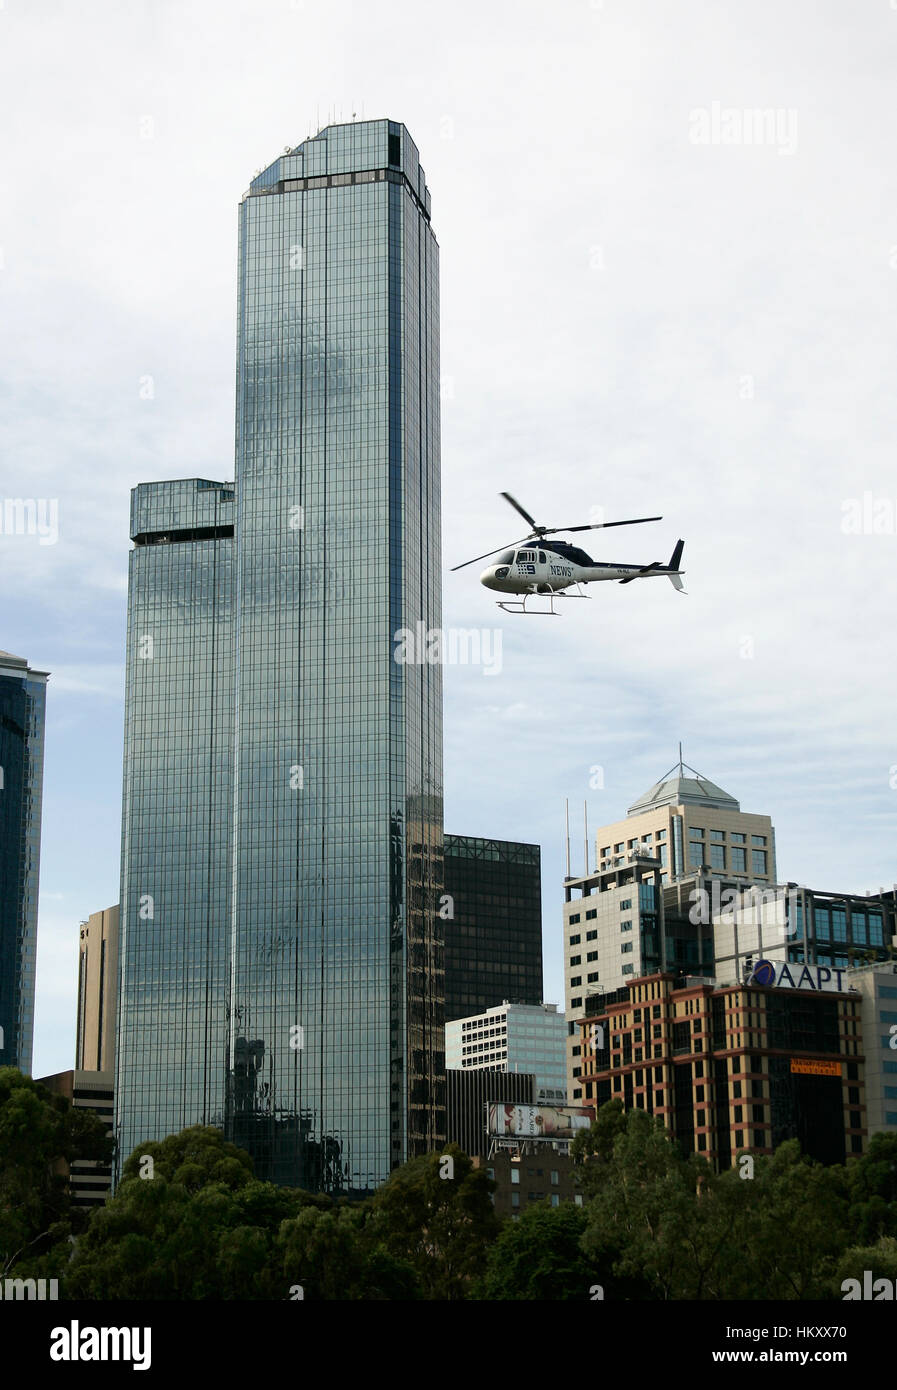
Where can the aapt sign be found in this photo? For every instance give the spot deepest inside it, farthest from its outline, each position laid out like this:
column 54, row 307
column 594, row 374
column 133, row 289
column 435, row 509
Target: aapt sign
column 782, row 975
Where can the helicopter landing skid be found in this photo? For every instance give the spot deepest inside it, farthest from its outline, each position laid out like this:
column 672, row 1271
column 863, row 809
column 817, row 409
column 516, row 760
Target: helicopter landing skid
column 519, row 605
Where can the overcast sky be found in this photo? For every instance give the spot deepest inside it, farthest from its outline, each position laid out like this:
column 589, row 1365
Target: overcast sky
column 651, row 303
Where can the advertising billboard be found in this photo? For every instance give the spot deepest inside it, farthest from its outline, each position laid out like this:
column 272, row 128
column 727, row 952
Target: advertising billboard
column 536, row 1121
column 801, row 1067
column 783, row 975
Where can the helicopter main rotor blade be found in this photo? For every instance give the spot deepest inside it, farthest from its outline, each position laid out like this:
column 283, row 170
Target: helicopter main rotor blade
column 600, row 525
column 486, row 556
column 517, row 507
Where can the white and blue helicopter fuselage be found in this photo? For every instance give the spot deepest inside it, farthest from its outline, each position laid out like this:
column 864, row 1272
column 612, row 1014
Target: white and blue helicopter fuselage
column 536, row 565
column 542, row 569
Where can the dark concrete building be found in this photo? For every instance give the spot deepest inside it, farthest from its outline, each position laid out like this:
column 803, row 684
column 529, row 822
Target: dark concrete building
column 467, row 1095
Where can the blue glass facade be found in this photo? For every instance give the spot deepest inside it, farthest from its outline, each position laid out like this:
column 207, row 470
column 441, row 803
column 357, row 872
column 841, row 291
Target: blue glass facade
column 337, row 1045
column 317, row 824
column 176, row 822
column 23, row 695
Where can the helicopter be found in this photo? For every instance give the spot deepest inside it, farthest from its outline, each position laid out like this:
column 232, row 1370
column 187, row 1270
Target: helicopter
column 535, row 566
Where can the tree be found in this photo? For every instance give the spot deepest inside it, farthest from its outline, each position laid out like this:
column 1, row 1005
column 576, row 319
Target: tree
column 540, row 1256
column 872, row 1185
column 646, row 1209
column 788, row 1223
column 593, row 1149
column 39, row 1133
column 437, row 1217
column 196, row 1225
column 865, row 1264
column 336, row 1255
column 684, row 1232
column 193, row 1158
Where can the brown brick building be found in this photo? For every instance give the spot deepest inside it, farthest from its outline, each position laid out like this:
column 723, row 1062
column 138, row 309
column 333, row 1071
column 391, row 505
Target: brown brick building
column 731, row 1068
column 526, row 1178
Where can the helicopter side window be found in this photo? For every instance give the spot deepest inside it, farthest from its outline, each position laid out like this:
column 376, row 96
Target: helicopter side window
column 541, row 557
column 526, row 557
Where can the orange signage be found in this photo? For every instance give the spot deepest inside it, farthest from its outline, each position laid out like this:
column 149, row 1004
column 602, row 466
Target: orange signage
column 815, row 1068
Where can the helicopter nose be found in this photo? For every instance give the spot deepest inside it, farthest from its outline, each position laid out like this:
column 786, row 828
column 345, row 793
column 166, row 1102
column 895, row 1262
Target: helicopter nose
column 489, row 576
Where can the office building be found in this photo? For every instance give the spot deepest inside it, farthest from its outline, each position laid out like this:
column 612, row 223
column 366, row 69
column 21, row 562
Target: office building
column 493, row 927
column 89, row 1182
column 800, row 925
column 282, row 851
column 737, row 1067
column 513, row 1038
column 690, row 823
column 614, row 930
column 90, row 1085
column 684, row 835
column 97, row 991
column 170, row 1057
column 703, row 925
column 23, row 696
column 532, row 1178
column 468, row 1095
column 876, row 985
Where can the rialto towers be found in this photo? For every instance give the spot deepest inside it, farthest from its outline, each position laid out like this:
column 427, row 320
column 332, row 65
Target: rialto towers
column 281, row 956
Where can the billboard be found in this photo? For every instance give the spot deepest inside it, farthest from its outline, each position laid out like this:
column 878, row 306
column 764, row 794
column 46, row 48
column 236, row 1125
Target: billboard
column 536, row 1121
column 800, row 1067
column 794, row 976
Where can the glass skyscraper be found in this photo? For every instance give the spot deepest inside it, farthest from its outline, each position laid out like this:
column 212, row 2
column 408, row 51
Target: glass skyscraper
column 23, row 697
column 328, row 1060
column 176, row 812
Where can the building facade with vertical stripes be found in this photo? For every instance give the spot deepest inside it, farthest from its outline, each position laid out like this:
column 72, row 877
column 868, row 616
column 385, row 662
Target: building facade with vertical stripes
column 282, row 954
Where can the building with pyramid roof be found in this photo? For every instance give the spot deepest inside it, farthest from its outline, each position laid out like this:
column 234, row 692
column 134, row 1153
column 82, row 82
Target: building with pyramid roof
column 620, row 916
column 690, row 824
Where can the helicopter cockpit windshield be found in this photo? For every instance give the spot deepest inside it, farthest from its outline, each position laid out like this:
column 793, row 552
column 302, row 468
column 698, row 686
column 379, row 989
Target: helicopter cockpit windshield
column 506, row 558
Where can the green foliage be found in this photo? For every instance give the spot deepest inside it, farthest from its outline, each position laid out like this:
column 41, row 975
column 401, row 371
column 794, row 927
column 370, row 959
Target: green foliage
column 873, row 1190
column 880, row 1260
column 192, row 1159
column 200, row 1228
column 597, row 1142
column 335, row 1255
column 39, row 1131
column 540, row 1256
column 685, row 1232
column 658, row 1224
column 646, row 1208
column 441, row 1227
